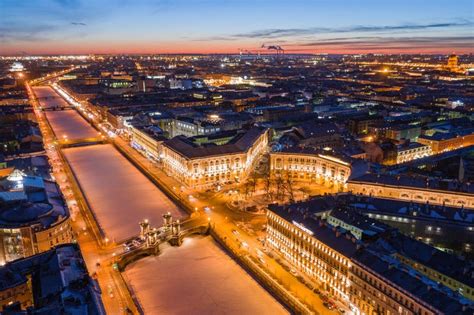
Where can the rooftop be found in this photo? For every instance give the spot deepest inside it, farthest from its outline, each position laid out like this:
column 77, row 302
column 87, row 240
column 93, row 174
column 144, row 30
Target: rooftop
column 239, row 144
column 60, row 281
column 415, row 181
column 412, row 282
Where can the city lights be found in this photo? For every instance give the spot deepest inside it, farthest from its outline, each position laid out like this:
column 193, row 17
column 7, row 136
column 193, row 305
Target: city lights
column 260, row 158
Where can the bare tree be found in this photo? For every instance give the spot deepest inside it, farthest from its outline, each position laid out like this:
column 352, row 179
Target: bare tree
column 289, row 187
column 279, row 187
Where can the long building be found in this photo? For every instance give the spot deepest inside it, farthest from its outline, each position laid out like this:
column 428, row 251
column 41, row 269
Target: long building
column 312, row 246
column 304, row 164
column 148, row 140
column 206, row 164
column 384, row 272
column 411, row 188
column 444, row 142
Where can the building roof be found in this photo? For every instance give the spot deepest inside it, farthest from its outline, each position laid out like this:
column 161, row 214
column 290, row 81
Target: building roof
column 415, row 182
column 369, row 226
column 240, row 144
column 450, row 265
column 22, row 210
column 322, row 231
column 59, row 280
column 417, row 285
column 411, row 209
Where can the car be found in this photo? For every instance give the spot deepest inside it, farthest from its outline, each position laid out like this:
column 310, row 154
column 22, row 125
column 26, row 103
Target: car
column 235, row 232
column 328, row 305
column 293, row 272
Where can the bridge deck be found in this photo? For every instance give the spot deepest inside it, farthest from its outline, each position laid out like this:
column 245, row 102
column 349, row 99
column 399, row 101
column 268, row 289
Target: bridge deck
column 48, row 97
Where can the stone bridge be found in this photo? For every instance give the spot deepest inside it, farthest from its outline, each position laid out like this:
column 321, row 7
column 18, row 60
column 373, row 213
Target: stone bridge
column 172, row 232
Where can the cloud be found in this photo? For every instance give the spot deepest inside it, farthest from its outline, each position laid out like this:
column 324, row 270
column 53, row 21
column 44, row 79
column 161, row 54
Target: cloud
column 386, row 43
column 298, row 32
column 78, row 24
column 26, row 33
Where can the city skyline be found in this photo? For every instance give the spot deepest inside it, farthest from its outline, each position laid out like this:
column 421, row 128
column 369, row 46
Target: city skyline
column 82, row 27
column 237, row 157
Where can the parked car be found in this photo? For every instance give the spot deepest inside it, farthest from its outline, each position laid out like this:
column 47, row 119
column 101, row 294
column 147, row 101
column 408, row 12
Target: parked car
column 328, row 305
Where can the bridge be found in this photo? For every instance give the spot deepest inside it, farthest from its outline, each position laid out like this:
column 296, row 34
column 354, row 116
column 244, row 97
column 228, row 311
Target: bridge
column 69, row 143
column 171, row 231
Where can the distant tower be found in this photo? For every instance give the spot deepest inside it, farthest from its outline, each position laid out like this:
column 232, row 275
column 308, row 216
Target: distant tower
column 453, row 62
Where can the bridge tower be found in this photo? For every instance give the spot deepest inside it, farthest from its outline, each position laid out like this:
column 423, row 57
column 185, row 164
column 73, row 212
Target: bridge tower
column 167, row 220
column 144, row 228
column 176, row 228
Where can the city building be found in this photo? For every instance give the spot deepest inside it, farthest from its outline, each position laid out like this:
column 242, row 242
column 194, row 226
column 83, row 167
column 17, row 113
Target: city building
column 305, row 164
column 413, row 188
column 53, row 282
column 205, row 164
column 311, row 245
column 33, row 217
column 403, row 153
column 383, row 285
column 403, row 132
column 367, row 264
column 148, row 140
column 444, row 142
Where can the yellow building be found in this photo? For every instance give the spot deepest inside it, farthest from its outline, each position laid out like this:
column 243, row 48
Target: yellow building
column 372, row 277
column 201, row 165
column 307, row 166
column 147, row 141
column 445, row 142
column 313, row 247
column 408, row 188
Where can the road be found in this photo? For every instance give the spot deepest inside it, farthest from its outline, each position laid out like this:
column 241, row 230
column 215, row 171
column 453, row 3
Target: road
column 227, row 220
column 115, row 294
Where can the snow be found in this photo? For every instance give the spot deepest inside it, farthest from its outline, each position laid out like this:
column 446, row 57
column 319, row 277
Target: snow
column 54, row 99
column 468, row 217
column 435, row 214
column 69, row 123
column 118, row 193
column 197, row 278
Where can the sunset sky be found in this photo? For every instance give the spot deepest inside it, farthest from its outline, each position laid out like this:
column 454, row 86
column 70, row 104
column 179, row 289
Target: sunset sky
column 215, row 26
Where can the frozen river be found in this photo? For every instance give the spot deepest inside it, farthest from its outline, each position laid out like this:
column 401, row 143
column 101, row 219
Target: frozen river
column 68, row 123
column 118, row 193
column 197, row 278
column 48, row 97
column 65, row 123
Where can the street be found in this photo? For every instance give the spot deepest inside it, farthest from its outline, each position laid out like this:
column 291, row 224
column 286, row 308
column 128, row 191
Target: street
column 215, row 206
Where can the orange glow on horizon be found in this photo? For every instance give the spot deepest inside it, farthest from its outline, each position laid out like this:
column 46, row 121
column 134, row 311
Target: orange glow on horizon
column 133, row 47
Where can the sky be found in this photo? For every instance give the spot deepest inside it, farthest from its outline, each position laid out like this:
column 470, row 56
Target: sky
column 228, row 26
